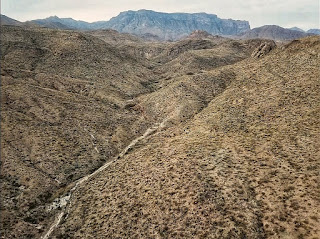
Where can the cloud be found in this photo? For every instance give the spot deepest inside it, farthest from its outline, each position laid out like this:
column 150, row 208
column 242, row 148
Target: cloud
column 286, row 13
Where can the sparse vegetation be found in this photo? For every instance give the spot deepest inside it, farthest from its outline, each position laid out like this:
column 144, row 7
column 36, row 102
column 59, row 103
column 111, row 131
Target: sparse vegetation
column 236, row 157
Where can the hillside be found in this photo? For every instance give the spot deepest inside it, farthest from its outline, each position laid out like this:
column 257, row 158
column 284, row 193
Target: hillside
column 173, row 26
column 203, row 137
column 310, row 31
column 9, row 21
column 245, row 166
column 314, row 31
column 62, row 23
column 158, row 26
column 296, row 29
column 62, row 97
column 154, row 25
column 274, row 32
column 83, row 110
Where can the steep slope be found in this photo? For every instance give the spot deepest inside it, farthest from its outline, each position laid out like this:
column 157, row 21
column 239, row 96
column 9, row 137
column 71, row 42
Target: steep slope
column 68, row 107
column 314, row 31
column 51, row 24
column 136, row 47
column 173, row 26
column 206, row 54
column 63, row 23
column 215, row 139
column 115, row 38
column 9, row 21
column 199, row 34
column 63, row 114
column 246, row 166
column 273, row 32
column 12, row 22
column 153, row 25
column 296, row 29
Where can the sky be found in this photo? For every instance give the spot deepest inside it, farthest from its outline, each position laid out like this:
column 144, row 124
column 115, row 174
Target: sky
column 286, row 13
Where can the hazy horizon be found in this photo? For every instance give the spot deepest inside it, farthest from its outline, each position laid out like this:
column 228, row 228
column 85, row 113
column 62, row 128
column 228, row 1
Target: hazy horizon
column 287, row 13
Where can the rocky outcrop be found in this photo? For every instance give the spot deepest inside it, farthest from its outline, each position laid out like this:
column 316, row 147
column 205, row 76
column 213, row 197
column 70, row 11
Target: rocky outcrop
column 263, row 49
column 198, row 34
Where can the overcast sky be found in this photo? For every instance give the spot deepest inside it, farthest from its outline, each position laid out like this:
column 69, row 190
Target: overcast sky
column 286, row 13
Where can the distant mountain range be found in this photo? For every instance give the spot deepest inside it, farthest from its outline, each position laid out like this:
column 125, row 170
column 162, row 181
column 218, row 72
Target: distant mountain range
column 314, row 31
column 169, row 26
column 173, row 26
column 9, row 21
column 165, row 26
column 67, row 23
column 274, row 32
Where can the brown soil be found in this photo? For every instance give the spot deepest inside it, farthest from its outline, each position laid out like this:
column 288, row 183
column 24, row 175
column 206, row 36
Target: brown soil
column 238, row 156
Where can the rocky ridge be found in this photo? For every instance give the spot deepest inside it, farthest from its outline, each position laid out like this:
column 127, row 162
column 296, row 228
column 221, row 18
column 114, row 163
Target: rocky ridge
column 274, row 32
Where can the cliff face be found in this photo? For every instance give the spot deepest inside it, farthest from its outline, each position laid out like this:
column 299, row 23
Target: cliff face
column 163, row 26
column 158, row 26
column 173, row 26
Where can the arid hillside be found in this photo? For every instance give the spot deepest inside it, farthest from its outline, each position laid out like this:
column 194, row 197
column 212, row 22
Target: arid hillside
column 63, row 95
column 206, row 137
column 246, row 166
